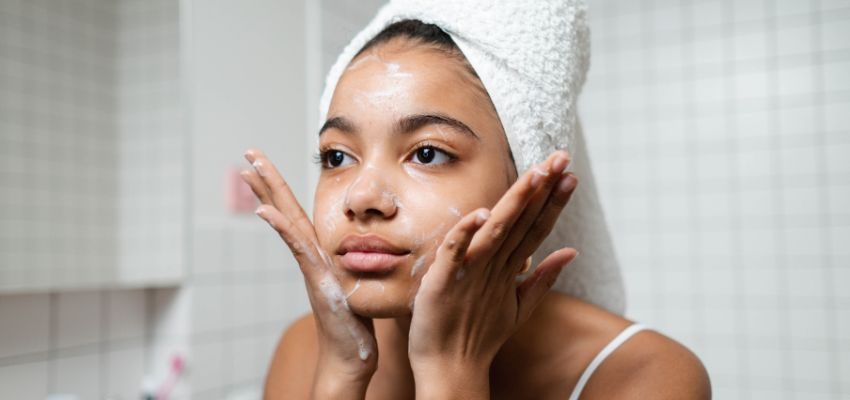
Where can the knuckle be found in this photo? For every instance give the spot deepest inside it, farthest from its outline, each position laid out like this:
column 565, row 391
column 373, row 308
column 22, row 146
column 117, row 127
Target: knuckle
column 499, row 231
column 298, row 249
column 451, row 244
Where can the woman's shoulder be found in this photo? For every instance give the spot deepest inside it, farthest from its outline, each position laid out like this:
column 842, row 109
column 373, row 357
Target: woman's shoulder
column 648, row 364
column 294, row 361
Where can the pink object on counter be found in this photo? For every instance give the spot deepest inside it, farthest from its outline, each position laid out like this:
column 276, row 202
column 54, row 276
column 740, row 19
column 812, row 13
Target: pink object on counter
column 177, row 366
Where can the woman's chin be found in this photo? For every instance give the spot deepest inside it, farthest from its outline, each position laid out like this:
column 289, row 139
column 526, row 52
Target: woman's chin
column 379, row 305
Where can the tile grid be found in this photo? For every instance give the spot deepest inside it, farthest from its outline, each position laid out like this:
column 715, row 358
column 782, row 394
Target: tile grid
column 70, row 183
column 44, row 205
column 819, row 127
column 113, row 353
column 734, row 249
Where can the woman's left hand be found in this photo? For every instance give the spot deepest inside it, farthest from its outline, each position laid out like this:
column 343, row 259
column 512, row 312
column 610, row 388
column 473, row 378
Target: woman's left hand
column 469, row 302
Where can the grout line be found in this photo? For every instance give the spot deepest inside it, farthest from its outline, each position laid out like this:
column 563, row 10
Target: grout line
column 778, row 232
column 819, row 93
column 103, row 347
column 741, row 310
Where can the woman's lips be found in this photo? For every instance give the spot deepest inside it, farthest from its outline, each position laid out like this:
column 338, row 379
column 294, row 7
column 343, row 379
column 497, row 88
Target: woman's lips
column 358, row 261
column 370, row 253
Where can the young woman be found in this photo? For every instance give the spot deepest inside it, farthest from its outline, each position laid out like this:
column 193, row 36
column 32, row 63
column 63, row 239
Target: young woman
column 421, row 225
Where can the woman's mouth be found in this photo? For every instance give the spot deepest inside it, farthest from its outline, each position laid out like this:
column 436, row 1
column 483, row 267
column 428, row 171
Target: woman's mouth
column 370, row 253
column 356, row 261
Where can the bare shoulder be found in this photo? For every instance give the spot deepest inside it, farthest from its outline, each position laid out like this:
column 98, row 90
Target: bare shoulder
column 650, row 365
column 294, row 362
column 647, row 365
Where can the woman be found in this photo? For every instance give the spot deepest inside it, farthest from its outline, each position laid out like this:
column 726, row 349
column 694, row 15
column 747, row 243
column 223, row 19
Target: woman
column 421, row 225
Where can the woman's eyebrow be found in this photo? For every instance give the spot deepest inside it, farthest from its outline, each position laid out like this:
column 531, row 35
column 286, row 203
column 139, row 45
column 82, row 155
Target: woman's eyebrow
column 339, row 123
column 413, row 122
column 407, row 124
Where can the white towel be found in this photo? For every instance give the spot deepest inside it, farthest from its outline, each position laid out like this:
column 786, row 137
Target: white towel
column 532, row 57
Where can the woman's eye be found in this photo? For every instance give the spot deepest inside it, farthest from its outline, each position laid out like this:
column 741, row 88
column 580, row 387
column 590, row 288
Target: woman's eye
column 337, row 158
column 430, row 155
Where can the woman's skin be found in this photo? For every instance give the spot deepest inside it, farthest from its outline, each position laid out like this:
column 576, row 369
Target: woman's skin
column 414, row 153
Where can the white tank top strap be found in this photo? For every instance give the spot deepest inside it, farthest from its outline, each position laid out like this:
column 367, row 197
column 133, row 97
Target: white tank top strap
column 604, row 353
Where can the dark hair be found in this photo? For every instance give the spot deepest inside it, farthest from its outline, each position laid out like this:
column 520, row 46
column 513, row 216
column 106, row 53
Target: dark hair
column 423, row 33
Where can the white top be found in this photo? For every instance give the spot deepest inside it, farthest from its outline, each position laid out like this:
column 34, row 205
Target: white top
column 604, row 353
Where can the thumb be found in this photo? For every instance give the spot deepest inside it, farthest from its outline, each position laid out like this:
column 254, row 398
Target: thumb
column 532, row 290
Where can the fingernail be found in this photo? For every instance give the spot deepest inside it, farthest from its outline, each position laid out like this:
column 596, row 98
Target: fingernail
column 258, row 166
column 560, row 164
column 567, row 184
column 259, row 211
column 537, row 176
column 481, row 216
column 249, row 155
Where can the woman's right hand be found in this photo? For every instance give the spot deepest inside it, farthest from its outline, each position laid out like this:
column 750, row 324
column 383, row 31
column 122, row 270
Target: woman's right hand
column 348, row 353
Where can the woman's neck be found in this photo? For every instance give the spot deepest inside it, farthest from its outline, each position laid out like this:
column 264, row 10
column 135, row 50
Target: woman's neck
column 394, row 376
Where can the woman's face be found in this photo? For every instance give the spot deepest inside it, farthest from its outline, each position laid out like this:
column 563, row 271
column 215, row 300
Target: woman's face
column 411, row 144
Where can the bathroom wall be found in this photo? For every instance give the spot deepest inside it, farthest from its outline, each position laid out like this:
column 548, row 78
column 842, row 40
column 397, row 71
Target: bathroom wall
column 151, row 146
column 246, row 67
column 58, row 144
column 240, row 82
column 719, row 134
column 93, row 193
column 93, row 180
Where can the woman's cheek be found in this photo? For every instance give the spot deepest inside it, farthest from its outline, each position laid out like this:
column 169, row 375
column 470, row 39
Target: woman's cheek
column 329, row 215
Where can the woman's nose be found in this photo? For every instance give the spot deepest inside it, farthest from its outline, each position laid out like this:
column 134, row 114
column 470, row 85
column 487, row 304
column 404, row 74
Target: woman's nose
column 369, row 196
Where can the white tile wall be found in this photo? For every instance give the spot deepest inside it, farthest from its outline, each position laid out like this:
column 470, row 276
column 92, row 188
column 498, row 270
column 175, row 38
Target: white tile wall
column 247, row 89
column 91, row 344
column 241, row 289
column 57, row 144
column 152, row 142
column 26, row 320
column 717, row 130
column 92, row 148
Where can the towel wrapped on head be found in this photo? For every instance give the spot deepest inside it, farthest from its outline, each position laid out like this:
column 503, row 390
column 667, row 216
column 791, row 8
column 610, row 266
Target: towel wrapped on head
column 532, row 58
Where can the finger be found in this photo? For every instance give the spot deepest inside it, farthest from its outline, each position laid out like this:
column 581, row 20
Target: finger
column 530, row 216
column 257, row 185
column 544, row 222
column 506, row 212
column 281, row 195
column 451, row 254
column 532, row 290
column 252, row 154
column 303, row 248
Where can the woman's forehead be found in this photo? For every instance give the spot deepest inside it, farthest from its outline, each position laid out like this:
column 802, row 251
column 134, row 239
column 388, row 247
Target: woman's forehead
column 388, row 82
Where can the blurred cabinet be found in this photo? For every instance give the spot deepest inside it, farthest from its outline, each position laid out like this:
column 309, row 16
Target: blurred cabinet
column 93, row 183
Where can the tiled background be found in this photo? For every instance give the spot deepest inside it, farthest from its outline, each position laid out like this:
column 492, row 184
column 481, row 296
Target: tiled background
column 180, row 72
column 717, row 131
column 60, row 193
column 92, row 178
